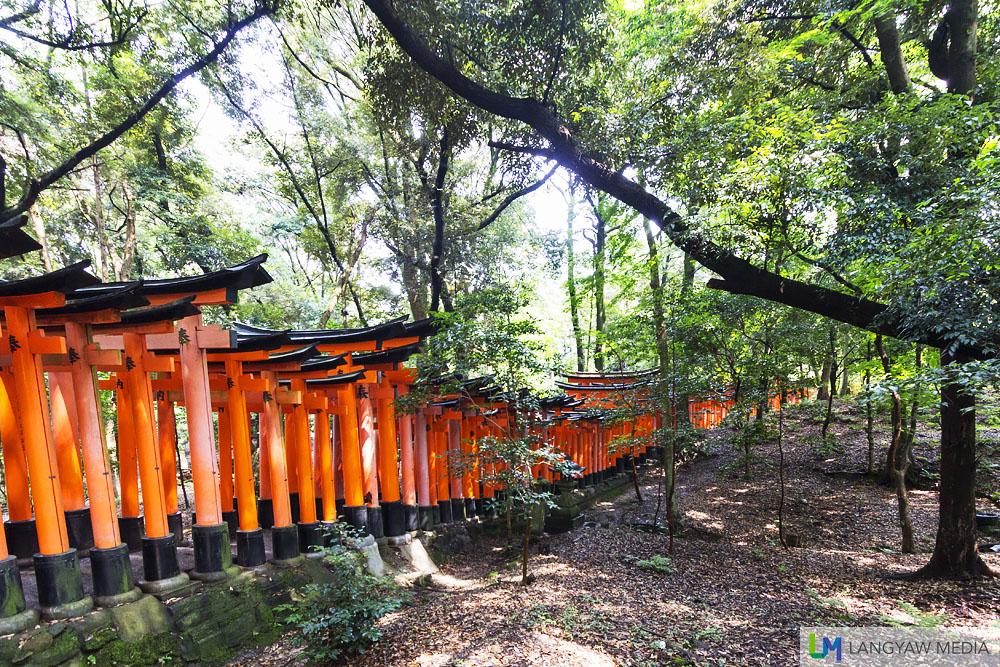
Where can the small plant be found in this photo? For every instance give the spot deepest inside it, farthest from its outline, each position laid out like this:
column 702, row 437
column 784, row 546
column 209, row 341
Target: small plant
column 339, row 619
column 920, row 619
column 832, row 606
column 658, row 563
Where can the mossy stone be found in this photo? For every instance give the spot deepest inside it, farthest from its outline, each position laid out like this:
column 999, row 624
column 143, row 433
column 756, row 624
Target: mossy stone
column 100, row 638
column 65, row 645
column 153, row 650
column 145, row 617
column 34, row 642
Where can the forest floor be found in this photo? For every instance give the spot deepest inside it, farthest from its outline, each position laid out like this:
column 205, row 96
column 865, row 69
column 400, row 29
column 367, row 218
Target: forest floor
column 729, row 594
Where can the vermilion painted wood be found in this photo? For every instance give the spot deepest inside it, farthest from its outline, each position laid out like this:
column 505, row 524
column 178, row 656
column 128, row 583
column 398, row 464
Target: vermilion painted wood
column 271, row 431
column 65, row 428
column 32, row 409
column 324, row 464
column 350, row 447
column 421, row 469
column 239, row 424
column 302, row 455
column 96, row 462
column 128, row 461
column 453, row 456
column 15, row 464
column 137, row 383
column 225, row 441
column 388, row 458
column 291, row 463
column 338, row 452
column 369, row 444
column 198, row 406
column 466, row 438
column 440, row 432
column 166, row 436
column 406, row 455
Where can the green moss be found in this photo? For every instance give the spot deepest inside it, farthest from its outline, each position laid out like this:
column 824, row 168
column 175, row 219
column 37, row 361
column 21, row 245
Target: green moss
column 147, row 651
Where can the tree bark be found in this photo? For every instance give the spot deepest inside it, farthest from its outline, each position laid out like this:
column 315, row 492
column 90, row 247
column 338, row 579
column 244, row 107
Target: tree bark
column 869, row 416
column 898, row 461
column 956, row 551
column 574, row 301
column 891, row 53
column 600, row 315
column 833, row 382
column 664, row 371
column 437, row 206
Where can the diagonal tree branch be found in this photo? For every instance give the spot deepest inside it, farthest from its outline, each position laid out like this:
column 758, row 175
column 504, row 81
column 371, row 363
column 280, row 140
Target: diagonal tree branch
column 513, row 197
column 737, row 274
column 36, row 186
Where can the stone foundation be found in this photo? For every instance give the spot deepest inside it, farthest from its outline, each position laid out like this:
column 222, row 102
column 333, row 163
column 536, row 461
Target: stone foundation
column 206, row 622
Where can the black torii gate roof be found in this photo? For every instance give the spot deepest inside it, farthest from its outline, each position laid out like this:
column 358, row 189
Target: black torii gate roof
column 14, row 241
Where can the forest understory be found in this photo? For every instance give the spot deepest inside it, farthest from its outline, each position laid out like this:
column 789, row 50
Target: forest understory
column 608, row 594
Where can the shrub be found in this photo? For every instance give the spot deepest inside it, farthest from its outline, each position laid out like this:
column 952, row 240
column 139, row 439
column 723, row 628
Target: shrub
column 338, row 619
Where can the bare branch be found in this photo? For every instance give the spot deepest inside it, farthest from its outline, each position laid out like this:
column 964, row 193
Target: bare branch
column 514, row 196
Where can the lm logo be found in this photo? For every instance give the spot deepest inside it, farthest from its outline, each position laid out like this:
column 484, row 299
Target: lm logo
column 828, row 647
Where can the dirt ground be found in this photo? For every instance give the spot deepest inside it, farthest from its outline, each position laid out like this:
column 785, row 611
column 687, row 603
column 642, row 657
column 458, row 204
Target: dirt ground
column 729, row 593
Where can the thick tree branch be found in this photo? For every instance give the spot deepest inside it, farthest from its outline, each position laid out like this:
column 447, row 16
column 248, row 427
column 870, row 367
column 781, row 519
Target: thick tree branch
column 738, row 275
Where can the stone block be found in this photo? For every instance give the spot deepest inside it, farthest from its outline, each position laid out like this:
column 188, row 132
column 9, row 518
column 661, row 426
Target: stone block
column 147, row 616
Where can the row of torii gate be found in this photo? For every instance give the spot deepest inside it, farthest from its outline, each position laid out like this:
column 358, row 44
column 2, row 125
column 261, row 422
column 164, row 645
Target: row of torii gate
column 330, row 446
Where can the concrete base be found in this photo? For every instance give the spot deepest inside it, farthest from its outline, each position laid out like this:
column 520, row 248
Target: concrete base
column 369, row 550
column 416, row 555
column 398, row 540
column 120, row 599
column 217, row 576
column 18, row 622
column 162, row 587
column 288, row 562
column 67, row 610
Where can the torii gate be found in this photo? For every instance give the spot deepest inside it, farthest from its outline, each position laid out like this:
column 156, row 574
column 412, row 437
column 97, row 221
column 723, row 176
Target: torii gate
column 192, row 340
column 57, row 572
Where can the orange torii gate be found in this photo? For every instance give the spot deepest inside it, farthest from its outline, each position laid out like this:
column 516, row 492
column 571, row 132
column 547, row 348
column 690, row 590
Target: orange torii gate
column 356, row 416
column 188, row 343
column 26, row 408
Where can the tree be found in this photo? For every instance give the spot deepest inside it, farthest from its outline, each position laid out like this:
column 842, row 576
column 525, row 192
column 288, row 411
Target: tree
column 123, row 43
column 553, row 135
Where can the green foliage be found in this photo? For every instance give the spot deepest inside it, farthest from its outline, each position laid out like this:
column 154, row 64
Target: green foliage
column 339, row 619
column 919, row 618
column 657, row 563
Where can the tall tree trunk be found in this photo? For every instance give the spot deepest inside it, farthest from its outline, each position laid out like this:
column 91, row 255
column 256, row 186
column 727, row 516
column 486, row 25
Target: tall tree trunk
column 124, row 270
column 832, row 389
column 823, row 391
column 663, row 362
column 956, row 551
column 415, row 293
column 38, row 225
column 898, row 459
column 600, row 229
column 437, row 206
column 869, row 416
column 574, row 301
